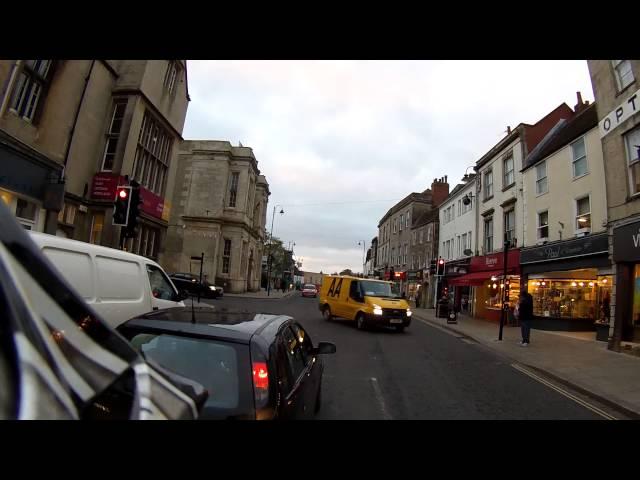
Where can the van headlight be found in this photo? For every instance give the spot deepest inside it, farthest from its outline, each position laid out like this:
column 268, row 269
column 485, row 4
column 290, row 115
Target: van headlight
column 211, row 287
column 377, row 309
column 409, row 312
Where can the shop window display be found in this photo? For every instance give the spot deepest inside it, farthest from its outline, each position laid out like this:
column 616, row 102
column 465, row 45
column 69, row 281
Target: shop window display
column 571, row 298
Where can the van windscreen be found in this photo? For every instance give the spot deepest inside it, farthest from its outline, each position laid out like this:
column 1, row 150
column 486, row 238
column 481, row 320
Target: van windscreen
column 378, row 289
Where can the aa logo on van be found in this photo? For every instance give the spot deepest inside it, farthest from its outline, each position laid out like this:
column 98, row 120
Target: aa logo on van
column 334, row 290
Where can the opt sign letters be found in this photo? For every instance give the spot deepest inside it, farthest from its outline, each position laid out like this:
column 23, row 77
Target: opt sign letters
column 624, row 111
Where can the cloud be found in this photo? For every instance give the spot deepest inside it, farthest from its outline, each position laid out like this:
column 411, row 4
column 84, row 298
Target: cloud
column 326, row 132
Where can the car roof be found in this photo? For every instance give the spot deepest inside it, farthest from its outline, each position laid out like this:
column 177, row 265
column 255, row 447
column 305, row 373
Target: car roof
column 210, row 322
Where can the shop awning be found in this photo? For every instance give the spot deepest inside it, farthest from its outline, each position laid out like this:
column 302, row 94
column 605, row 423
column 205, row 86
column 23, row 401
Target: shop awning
column 475, row 279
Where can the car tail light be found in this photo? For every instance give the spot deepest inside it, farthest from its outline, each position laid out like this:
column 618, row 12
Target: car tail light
column 260, row 376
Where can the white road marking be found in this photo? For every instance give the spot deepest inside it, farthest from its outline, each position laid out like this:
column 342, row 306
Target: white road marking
column 379, row 397
column 564, row 392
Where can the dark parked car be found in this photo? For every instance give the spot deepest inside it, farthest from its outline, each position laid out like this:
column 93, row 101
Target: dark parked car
column 191, row 284
column 254, row 366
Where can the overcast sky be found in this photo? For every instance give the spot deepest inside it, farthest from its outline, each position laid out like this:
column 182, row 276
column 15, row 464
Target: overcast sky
column 341, row 141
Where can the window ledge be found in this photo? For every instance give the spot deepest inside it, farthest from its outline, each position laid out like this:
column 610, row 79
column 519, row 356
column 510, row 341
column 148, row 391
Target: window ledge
column 484, row 200
column 580, row 176
column 625, row 88
column 504, row 189
column 541, row 194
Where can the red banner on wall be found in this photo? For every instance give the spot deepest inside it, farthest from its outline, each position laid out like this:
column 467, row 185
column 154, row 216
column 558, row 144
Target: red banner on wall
column 104, row 185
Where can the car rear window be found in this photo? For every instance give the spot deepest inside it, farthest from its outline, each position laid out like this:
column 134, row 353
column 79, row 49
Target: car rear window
column 310, row 286
column 220, row 367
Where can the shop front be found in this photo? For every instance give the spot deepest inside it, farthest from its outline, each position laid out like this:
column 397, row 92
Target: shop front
column 485, row 284
column 626, row 256
column 458, row 294
column 570, row 282
column 414, row 283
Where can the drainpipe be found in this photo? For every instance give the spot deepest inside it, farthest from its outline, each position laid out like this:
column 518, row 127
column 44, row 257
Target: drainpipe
column 10, row 84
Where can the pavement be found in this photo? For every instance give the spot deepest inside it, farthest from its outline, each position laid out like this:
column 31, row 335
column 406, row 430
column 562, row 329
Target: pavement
column 262, row 294
column 577, row 361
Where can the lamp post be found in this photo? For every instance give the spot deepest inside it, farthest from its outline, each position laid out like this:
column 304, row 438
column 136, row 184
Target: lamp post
column 270, row 243
column 505, row 289
column 363, row 247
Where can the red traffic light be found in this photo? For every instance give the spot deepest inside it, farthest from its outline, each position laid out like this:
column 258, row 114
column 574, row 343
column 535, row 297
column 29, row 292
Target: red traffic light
column 122, row 194
column 441, row 261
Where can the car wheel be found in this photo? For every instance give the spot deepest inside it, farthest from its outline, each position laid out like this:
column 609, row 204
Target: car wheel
column 326, row 313
column 318, row 399
column 400, row 328
column 360, row 323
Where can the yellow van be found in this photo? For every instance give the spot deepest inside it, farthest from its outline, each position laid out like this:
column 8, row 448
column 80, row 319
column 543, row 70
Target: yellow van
column 368, row 302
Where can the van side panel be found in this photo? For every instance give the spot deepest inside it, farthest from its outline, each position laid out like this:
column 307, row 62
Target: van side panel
column 76, row 268
column 119, row 280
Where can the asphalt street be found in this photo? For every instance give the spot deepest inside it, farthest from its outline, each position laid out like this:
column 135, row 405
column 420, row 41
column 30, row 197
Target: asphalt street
column 423, row 373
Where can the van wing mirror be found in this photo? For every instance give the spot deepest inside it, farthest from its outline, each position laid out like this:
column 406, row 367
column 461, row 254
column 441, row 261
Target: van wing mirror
column 324, row 348
column 183, row 295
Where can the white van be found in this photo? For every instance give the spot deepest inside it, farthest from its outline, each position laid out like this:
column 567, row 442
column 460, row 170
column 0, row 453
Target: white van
column 117, row 284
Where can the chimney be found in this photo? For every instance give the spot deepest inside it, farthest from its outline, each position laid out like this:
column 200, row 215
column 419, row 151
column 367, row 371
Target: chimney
column 440, row 189
column 508, row 130
column 581, row 105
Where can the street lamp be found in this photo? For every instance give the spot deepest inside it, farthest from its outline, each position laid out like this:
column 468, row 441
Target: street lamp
column 466, row 176
column 363, row 243
column 270, row 242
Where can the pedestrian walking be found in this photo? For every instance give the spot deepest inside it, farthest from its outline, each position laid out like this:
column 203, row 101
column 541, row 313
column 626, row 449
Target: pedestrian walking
column 525, row 315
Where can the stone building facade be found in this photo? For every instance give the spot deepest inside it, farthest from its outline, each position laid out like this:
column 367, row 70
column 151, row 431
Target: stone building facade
column 617, row 95
column 71, row 131
column 219, row 209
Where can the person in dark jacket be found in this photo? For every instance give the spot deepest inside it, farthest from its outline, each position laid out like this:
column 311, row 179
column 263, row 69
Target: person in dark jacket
column 525, row 315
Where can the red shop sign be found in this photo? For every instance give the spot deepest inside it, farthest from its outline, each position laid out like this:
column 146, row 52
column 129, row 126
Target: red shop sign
column 495, row 262
column 103, row 186
column 152, row 204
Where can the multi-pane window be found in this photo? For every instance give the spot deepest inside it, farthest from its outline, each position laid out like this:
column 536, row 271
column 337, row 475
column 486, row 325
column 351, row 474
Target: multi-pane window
column 233, row 188
column 509, row 225
column 408, row 219
column 464, row 242
column 97, row 223
column 509, row 172
column 469, row 240
column 401, row 221
column 488, row 184
column 171, row 76
column 583, row 213
column 395, row 225
column 406, row 252
column 543, row 224
column 67, row 214
column 393, row 256
column 421, row 236
column 27, row 213
column 226, row 256
column 624, row 74
column 113, row 133
column 147, row 242
column 579, row 158
column 632, row 141
column 541, row 178
column 488, row 235
column 419, row 260
column 413, row 262
column 30, row 87
column 415, row 235
column 152, row 155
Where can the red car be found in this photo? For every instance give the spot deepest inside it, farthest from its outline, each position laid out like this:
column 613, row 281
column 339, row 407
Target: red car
column 309, row 290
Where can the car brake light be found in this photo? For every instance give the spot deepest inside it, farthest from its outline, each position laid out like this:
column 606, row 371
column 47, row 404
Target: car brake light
column 260, row 375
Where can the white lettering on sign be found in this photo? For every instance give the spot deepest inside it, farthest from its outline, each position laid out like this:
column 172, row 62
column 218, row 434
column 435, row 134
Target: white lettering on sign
column 491, row 261
column 636, row 239
column 623, row 112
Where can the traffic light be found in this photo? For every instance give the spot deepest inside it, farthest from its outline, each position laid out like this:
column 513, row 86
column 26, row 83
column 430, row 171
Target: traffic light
column 121, row 205
column 432, row 267
column 135, row 210
column 441, row 265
